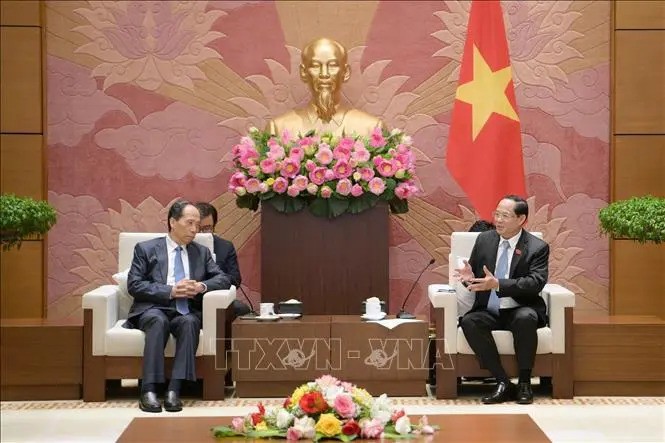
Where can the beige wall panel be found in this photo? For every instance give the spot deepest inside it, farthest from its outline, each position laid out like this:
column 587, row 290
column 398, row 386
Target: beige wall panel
column 638, row 278
column 21, row 165
column 639, row 82
column 19, row 12
column 22, row 281
column 21, row 80
column 639, row 14
column 639, row 163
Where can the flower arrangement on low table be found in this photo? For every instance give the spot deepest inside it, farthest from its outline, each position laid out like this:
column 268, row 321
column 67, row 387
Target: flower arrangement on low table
column 328, row 408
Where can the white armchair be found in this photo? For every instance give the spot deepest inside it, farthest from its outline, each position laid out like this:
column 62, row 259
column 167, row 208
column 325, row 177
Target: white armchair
column 454, row 356
column 113, row 352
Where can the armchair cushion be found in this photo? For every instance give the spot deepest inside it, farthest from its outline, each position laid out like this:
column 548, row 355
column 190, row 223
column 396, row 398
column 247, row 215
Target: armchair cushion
column 123, row 342
column 504, row 342
column 124, row 299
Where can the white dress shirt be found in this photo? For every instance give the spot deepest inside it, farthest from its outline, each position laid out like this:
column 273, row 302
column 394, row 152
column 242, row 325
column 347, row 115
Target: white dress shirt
column 507, row 302
column 171, row 249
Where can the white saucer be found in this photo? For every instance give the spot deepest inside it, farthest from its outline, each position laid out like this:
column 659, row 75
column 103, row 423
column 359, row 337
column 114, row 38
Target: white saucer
column 289, row 316
column 381, row 316
column 267, row 318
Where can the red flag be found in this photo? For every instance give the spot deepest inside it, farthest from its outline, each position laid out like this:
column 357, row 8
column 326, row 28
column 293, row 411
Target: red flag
column 484, row 146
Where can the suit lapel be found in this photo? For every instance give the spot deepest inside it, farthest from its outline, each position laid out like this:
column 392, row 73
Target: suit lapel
column 517, row 256
column 162, row 259
column 193, row 258
column 494, row 247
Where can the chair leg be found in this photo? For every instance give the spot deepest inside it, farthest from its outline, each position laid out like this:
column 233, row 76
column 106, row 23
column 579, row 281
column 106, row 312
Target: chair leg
column 94, row 382
column 562, row 376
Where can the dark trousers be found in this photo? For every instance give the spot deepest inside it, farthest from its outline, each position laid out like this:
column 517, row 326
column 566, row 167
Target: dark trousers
column 158, row 324
column 521, row 321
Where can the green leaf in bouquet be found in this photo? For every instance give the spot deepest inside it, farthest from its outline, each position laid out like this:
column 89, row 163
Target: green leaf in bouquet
column 391, row 184
column 224, row 431
column 395, row 436
column 286, row 204
column 330, row 208
column 399, row 206
column 267, row 195
column 310, row 133
column 248, row 201
column 268, row 433
column 363, row 203
column 344, row 437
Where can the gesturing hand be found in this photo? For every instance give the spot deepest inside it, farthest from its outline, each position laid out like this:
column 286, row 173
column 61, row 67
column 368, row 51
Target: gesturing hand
column 465, row 273
column 485, row 283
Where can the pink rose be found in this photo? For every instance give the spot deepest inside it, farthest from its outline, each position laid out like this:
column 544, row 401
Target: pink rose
column 376, row 139
column 293, row 434
column 357, row 190
column 263, row 187
column 254, row 170
column 300, row 182
column 345, row 406
column 310, row 165
column 361, row 155
column 247, row 141
column 236, row 180
column 305, row 141
column 290, row 168
column 342, row 152
column 342, row 169
column 238, row 424
column 297, row 153
column 318, row 175
column 326, row 192
column 280, row 185
column 330, row 174
column 268, row 165
column 252, row 185
column 386, row 168
column 276, row 152
column 403, row 190
column 366, row 173
column 346, row 143
column 293, row 191
column 371, row 428
column 286, row 136
column 324, row 155
column 343, row 186
column 248, row 156
column 376, row 186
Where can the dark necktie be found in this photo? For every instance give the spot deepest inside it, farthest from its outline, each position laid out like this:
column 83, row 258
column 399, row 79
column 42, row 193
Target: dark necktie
column 181, row 304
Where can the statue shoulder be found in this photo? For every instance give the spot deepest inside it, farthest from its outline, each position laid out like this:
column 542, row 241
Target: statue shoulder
column 361, row 121
column 285, row 121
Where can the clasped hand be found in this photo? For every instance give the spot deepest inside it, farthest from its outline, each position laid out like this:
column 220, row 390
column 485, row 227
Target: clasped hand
column 486, row 283
column 186, row 289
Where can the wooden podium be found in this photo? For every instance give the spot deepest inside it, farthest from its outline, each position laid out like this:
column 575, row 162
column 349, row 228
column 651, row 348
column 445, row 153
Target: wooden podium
column 331, row 266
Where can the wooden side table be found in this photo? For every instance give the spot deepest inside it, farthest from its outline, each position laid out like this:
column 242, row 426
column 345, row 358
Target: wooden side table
column 41, row 359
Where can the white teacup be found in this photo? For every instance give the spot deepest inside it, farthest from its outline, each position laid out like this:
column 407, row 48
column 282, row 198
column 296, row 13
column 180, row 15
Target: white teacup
column 267, row 309
column 372, row 308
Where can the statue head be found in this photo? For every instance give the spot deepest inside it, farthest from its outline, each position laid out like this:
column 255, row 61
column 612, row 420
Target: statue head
column 324, row 68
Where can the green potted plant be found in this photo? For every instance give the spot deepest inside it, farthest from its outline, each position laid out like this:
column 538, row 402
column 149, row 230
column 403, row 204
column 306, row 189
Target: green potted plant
column 22, row 217
column 638, row 218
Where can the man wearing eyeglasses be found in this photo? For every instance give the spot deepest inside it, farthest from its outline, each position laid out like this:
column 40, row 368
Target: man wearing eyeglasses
column 507, row 270
column 225, row 252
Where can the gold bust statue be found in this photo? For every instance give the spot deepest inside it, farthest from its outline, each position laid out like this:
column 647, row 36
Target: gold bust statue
column 324, row 68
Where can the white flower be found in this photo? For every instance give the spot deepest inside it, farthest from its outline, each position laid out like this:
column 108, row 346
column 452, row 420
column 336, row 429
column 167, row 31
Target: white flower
column 407, row 140
column 283, row 419
column 331, row 393
column 395, row 132
column 240, row 191
column 253, row 129
column 382, row 409
column 306, row 426
column 403, row 425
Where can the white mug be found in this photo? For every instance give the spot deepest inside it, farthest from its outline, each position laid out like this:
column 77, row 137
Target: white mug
column 373, row 307
column 267, row 309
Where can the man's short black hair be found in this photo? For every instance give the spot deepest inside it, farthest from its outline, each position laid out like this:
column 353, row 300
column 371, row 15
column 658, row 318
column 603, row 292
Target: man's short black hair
column 521, row 206
column 206, row 209
column 481, row 226
column 176, row 210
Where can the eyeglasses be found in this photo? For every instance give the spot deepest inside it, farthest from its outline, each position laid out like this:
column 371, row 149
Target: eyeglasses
column 502, row 215
column 206, row 229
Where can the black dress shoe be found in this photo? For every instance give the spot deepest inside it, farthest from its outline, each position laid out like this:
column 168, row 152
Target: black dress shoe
column 172, row 402
column 503, row 392
column 149, row 403
column 524, row 393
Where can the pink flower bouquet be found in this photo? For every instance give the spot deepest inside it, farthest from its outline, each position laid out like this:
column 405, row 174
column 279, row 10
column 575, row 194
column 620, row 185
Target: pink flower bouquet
column 328, row 174
column 327, row 408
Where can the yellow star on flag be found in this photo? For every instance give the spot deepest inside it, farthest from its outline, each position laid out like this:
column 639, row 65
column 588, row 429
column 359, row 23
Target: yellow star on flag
column 486, row 93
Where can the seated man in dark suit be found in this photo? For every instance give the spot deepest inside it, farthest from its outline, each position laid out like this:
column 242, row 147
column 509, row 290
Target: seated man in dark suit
column 167, row 280
column 507, row 270
column 225, row 253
